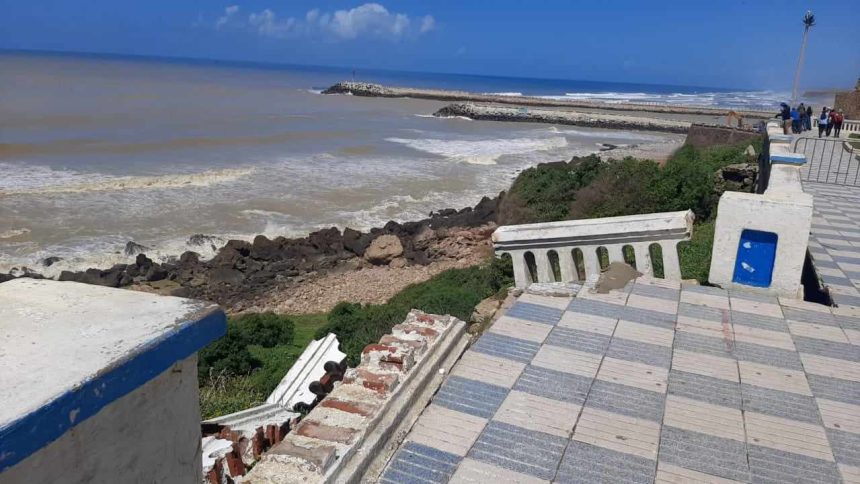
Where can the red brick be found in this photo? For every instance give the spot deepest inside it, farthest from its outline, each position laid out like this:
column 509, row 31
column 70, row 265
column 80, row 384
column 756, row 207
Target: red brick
column 378, row 382
column 429, row 333
column 360, row 408
column 234, row 464
column 426, row 318
column 316, row 430
column 378, row 347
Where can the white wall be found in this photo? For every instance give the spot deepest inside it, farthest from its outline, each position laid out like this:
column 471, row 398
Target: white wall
column 151, row 435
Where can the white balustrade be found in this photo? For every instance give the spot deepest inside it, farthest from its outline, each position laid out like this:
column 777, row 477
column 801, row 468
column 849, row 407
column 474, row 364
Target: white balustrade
column 610, row 233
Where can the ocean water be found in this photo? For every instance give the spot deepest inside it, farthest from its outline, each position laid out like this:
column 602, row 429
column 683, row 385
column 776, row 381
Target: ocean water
column 99, row 151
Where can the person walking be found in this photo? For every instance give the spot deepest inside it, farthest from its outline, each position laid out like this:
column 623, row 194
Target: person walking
column 837, row 123
column 831, row 119
column 809, row 118
column 785, row 116
column 802, row 110
column 822, row 122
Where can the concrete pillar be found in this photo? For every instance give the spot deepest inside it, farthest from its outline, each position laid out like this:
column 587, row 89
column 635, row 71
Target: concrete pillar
column 565, row 261
column 615, row 253
column 671, row 264
column 521, row 272
column 643, row 259
column 544, row 270
column 589, row 258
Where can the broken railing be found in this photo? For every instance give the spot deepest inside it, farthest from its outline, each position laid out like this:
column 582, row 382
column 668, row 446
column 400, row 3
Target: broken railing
column 576, row 250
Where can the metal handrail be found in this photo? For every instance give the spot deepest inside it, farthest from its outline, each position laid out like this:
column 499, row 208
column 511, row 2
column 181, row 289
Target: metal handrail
column 823, row 154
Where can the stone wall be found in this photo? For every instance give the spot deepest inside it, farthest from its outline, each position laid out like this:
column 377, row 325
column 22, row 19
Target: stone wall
column 849, row 102
column 702, row 136
column 353, row 430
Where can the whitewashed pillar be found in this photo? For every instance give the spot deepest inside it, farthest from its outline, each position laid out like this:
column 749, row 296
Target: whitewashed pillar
column 643, row 259
column 565, row 262
column 589, row 258
column 615, row 253
column 671, row 263
column 521, row 272
column 544, row 270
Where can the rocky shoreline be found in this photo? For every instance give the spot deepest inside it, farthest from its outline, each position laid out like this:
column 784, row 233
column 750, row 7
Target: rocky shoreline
column 554, row 116
column 255, row 275
column 367, row 89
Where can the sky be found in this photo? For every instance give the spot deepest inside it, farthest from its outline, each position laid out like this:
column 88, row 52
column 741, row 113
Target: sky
column 750, row 44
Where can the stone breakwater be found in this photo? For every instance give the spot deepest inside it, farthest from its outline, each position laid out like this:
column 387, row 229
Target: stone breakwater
column 367, row 89
column 556, row 116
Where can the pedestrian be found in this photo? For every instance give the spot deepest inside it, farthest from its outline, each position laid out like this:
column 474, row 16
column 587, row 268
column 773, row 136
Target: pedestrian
column 785, row 116
column 795, row 120
column 809, row 118
column 831, row 119
column 822, row 122
column 837, row 123
column 802, row 110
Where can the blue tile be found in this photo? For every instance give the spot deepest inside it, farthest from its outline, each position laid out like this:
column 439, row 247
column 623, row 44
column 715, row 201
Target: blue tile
column 586, row 464
column 506, row 347
column 470, row 396
column 553, row 384
column 535, row 312
column 515, row 448
column 578, row 340
column 417, row 463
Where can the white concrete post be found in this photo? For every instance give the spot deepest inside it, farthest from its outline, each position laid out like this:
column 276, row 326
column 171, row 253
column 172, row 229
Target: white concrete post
column 615, row 253
column 589, row 258
column 544, row 270
column 671, row 263
column 565, row 261
column 643, row 259
column 521, row 272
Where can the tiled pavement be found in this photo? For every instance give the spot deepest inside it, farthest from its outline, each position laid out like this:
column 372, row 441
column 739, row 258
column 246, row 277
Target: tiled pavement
column 835, row 239
column 650, row 384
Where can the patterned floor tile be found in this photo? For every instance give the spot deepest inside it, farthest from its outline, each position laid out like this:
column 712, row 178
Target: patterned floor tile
column 557, row 385
column 586, row 464
column 506, row 347
column 716, row 391
column 447, row 430
column 470, row 396
column 419, row 463
column 578, row 340
column 780, row 404
column 704, row 453
column 489, row 369
column 567, row 360
column 649, row 354
column 520, row 450
column 620, row 433
column 534, row 312
column 625, row 400
column 520, row 329
column 476, row 472
column 538, row 413
column 774, row 466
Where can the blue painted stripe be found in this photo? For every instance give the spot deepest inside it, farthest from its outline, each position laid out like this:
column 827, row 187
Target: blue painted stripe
column 25, row 436
column 788, row 158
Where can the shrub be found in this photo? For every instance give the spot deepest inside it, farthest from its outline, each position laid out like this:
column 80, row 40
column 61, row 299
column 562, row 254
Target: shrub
column 622, row 188
column 455, row 292
column 543, row 193
column 695, row 254
column 265, row 329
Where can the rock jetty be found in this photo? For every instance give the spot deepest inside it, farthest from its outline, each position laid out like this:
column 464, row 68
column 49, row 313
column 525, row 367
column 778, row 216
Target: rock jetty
column 557, row 116
column 367, row 89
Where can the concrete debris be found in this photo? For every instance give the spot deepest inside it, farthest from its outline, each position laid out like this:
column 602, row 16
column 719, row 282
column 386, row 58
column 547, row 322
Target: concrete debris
column 557, row 289
column 616, row 276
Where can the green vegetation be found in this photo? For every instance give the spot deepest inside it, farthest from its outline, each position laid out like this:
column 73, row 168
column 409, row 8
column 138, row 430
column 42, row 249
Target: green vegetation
column 854, row 144
column 455, row 292
column 242, row 368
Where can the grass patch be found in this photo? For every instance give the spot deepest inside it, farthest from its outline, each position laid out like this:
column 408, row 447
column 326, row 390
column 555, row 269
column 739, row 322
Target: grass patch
column 242, row 368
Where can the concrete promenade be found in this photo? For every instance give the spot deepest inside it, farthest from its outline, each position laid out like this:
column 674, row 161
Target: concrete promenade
column 653, row 383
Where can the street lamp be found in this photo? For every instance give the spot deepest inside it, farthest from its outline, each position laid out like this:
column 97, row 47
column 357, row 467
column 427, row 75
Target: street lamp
column 808, row 21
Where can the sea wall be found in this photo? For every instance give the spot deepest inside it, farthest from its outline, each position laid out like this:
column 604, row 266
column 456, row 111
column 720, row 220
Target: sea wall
column 703, row 136
column 554, row 116
column 367, row 89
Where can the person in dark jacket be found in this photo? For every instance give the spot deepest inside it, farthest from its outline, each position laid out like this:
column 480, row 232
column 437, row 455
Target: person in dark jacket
column 785, row 116
column 809, row 118
column 837, row 119
column 802, row 110
column 823, row 120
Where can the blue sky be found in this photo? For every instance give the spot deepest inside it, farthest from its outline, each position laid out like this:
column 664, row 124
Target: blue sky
column 722, row 43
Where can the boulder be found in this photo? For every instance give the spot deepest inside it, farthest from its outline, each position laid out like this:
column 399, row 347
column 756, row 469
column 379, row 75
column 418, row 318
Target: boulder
column 133, row 248
column 355, row 241
column 384, row 249
column 49, row 261
column 398, row 263
column 485, row 310
column 225, row 275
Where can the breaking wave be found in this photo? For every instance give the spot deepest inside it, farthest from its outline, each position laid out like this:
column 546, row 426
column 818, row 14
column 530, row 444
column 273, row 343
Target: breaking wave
column 481, row 152
column 46, row 181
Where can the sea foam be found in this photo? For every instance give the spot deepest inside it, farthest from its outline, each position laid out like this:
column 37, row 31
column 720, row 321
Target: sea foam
column 481, row 152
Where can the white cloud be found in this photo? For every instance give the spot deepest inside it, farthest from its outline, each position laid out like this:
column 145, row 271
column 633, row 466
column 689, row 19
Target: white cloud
column 367, row 20
column 428, row 23
column 228, row 16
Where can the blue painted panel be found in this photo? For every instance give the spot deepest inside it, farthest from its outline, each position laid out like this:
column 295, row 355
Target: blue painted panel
column 756, row 257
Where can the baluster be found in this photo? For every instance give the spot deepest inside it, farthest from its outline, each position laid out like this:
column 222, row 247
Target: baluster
column 589, row 259
column 521, row 272
column 565, row 262
column 615, row 253
column 671, row 264
column 643, row 259
column 544, row 270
